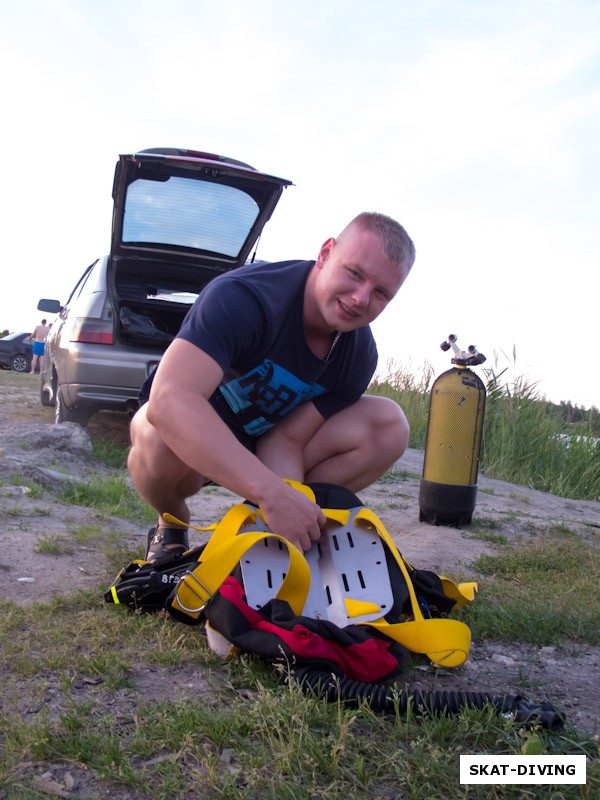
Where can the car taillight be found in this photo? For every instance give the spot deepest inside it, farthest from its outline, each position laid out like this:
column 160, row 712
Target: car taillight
column 92, row 331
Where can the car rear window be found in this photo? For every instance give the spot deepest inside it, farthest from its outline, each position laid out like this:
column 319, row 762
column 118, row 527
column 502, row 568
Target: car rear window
column 188, row 213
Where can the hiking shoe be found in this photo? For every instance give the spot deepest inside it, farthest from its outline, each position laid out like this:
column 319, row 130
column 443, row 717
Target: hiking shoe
column 166, row 543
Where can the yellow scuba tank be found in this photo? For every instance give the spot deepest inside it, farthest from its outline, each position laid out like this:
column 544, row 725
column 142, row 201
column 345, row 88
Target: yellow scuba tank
column 448, row 489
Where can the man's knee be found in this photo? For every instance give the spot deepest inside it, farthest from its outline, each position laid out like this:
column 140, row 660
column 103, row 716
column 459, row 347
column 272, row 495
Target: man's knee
column 149, row 456
column 159, row 476
column 389, row 427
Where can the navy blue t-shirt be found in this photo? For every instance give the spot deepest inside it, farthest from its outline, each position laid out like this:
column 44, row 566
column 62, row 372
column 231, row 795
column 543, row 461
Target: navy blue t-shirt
column 250, row 321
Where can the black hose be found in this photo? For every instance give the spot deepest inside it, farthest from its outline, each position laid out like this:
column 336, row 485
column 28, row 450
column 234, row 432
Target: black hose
column 389, row 698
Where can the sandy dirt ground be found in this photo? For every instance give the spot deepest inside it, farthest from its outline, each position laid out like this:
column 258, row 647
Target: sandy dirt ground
column 34, row 450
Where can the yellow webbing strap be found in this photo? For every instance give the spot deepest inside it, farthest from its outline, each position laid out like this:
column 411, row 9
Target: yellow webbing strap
column 369, row 516
column 339, row 515
column 199, row 585
column 463, row 593
column 228, row 527
column 302, row 487
column 444, row 641
column 224, row 550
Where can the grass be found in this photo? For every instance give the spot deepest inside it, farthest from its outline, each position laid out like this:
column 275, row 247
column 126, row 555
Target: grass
column 248, row 734
column 18, row 480
column 75, row 673
column 140, row 706
column 545, row 592
column 109, row 452
column 110, row 495
column 53, row 545
column 523, row 442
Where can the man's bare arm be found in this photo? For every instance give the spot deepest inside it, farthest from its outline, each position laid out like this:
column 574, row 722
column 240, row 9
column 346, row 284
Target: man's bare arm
column 180, row 411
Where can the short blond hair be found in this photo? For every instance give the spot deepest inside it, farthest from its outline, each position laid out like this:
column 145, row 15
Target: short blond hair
column 396, row 243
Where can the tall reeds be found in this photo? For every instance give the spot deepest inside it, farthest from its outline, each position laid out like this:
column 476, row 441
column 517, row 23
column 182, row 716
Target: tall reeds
column 522, row 442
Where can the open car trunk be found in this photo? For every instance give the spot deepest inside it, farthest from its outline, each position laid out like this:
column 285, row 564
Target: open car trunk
column 180, row 219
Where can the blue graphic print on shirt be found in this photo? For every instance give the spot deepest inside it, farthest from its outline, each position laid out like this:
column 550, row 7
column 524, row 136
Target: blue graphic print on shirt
column 265, row 394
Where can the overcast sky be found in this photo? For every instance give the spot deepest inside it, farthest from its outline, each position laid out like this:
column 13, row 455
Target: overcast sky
column 476, row 124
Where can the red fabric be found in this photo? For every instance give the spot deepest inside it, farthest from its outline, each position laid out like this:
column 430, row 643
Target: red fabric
column 364, row 661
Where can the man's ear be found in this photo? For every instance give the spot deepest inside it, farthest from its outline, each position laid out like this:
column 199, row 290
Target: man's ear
column 325, row 251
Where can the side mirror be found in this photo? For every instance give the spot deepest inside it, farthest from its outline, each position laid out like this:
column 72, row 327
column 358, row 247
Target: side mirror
column 50, row 306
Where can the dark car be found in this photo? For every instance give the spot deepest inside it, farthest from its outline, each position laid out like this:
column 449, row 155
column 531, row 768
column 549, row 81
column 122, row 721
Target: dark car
column 15, row 352
column 180, row 218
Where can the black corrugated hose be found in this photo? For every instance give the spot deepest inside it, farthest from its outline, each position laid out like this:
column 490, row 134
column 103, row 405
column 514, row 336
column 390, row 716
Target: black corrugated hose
column 389, row 698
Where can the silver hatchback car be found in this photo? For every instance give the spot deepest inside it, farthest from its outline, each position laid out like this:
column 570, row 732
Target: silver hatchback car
column 181, row 217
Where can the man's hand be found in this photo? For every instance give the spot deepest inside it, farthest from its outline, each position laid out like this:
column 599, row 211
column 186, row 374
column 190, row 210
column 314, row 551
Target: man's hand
column 292, row 515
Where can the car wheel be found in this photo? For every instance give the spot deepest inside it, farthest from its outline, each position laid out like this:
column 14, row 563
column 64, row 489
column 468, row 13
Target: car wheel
column 19, row 363
column 64, row 414
column 45, row 398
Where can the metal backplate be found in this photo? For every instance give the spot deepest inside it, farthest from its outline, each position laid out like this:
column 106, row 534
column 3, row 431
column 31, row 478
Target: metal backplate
column 350, row 581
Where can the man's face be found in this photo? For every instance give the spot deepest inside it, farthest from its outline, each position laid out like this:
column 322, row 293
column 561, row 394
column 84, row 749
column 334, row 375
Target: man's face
column 355, row 280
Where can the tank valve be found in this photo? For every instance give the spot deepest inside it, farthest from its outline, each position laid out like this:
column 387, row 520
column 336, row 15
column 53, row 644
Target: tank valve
column 463, row 358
